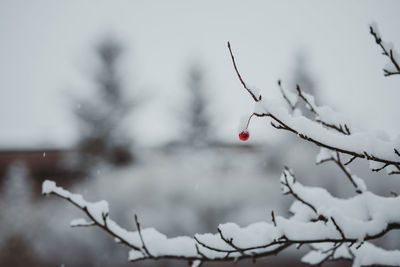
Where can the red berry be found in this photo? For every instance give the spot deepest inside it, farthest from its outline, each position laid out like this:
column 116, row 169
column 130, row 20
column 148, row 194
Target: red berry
column 244, row 135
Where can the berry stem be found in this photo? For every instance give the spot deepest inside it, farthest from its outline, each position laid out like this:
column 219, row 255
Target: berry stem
column 248, row 121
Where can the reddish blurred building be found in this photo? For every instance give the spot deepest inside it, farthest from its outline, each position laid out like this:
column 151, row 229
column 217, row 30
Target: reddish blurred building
column 41, row 164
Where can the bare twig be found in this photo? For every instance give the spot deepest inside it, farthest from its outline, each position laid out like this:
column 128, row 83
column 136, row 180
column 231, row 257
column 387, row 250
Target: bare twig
column 386, row 52
column 309, row 105
column 396, row 152
column 346, row 172
column 141, row 238
column 291, row 105
column 240, row 77
column 381, row 168
column 359, row 245
column 338, row 228
column 273, row 218
column 339, row 163
column 350, row 160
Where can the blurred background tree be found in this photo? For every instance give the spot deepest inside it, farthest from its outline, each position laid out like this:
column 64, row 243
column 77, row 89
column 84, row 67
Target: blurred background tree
column 100, row 117
column 302, row 75
column 198, row 122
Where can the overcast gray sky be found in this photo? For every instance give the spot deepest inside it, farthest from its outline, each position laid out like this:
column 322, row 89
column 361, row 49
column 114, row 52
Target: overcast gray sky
column 45, row 57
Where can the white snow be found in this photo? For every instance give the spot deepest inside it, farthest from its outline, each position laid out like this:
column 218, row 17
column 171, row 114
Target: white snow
column 80, row 222
column 366, row 255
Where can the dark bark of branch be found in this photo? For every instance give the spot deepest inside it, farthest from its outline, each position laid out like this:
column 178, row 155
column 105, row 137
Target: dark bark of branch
column 386, row 52
column 240, row 77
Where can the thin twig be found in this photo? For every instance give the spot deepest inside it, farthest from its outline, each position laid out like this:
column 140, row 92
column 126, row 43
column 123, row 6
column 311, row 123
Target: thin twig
column 291, row 105
column 385, row 52
column 346, row 172
column 338, row 228
column 273, row 218
column 301, row 95
column 381, row 168
column 141, row 237
column 350, row 160
column 240, row 77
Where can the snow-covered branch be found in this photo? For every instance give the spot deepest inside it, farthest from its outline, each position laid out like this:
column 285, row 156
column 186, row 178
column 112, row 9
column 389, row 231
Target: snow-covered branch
column 148, row 243
column 318, row 217
column 359, row 145
column 327, row 130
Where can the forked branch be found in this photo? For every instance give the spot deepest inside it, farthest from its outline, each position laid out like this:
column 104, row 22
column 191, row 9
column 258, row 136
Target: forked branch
column 388, row 52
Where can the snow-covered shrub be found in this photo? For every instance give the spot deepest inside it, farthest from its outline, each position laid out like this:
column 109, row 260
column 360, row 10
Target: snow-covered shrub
column 334, row 228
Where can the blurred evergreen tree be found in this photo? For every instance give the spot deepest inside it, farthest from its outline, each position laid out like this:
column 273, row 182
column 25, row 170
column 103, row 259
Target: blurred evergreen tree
column 100, row 117
column 302, row 76
column 197, row 118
